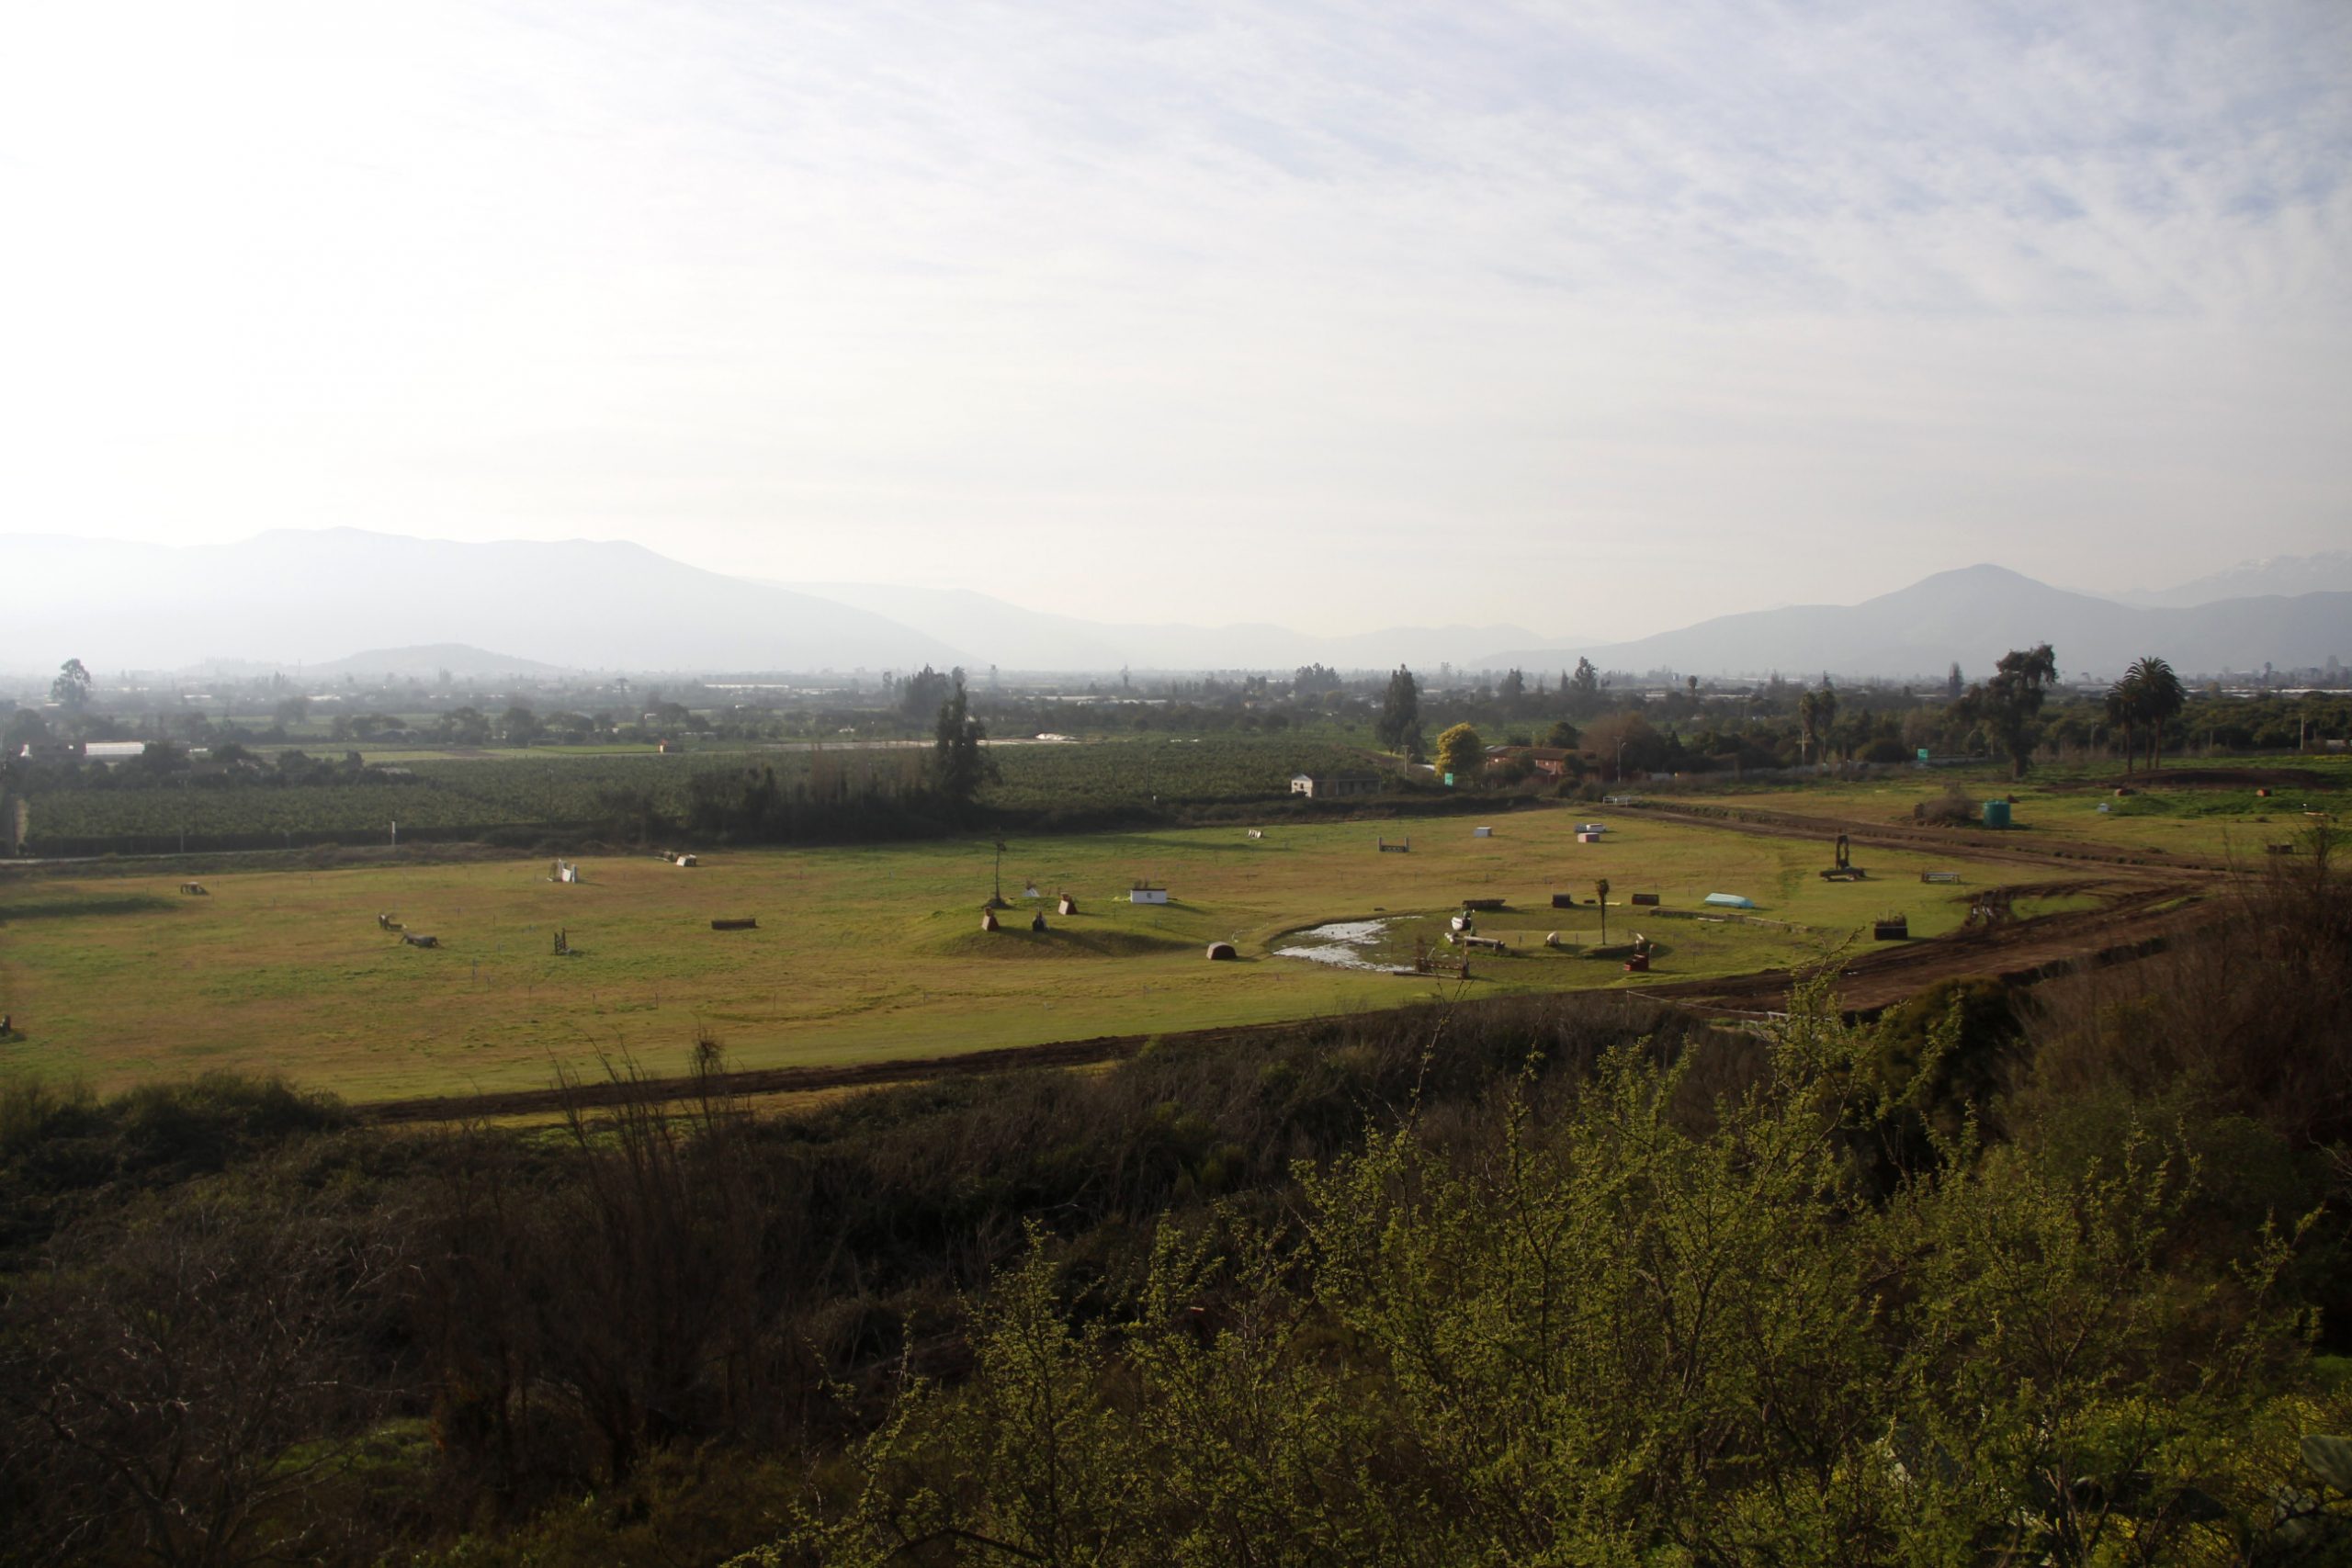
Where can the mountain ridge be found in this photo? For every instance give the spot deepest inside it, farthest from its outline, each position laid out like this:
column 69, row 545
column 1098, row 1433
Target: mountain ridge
column 1972, row 616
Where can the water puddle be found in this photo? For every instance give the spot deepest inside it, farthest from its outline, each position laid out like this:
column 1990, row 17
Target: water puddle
column 1344, row 944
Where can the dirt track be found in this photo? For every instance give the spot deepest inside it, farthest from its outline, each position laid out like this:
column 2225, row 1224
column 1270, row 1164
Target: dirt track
column 2132, row 922
column 783, row 1080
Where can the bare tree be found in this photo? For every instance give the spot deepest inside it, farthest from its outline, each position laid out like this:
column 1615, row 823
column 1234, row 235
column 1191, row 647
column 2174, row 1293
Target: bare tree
column 181, row 1391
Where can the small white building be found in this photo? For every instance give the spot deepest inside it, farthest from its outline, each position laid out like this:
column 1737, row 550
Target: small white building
column 1147, row 893
column 1334, row 787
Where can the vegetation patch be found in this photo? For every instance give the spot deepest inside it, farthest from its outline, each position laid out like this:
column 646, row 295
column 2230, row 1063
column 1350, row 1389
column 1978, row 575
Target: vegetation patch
column 1059, row 939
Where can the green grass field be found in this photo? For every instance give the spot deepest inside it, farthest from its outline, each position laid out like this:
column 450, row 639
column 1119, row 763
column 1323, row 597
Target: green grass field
column 2189, row 818
column 866, row 952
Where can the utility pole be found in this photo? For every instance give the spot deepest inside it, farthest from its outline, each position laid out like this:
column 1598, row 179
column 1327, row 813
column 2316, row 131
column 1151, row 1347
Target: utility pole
column 1602, row 887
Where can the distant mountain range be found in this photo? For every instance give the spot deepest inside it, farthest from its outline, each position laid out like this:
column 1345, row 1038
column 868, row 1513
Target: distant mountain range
column 303, row 600
column 1973, row 616
column 290, row 598
column 2327, row 572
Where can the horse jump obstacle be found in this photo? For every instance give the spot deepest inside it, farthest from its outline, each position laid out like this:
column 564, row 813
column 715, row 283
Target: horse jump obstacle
column 1845, row 870
column 417, row 938
column 1402, row 847
column 194, row 889
column 1939, row 876
column 1647, row 900
column 747, row 923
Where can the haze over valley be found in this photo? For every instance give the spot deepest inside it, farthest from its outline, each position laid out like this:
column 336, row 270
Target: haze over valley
column 344, row 600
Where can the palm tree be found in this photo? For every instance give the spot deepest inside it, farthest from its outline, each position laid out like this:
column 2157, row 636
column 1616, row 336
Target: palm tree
column 2161, row 700
column 2124, row 700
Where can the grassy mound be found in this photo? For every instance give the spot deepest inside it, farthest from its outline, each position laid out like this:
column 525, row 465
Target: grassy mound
column 1017, row 941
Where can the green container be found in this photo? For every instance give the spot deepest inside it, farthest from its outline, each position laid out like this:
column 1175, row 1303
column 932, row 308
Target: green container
column 1996, row 814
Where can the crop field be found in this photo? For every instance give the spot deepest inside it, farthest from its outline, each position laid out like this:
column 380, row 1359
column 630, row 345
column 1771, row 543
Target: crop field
column 569, row 787
column 859, row 953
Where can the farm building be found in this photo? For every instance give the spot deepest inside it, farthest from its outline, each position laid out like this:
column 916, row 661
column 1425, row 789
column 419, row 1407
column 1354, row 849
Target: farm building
column 1334, row 787
column 1551, row 762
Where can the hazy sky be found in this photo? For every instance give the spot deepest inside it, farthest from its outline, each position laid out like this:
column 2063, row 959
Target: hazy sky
column 1597, row 318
